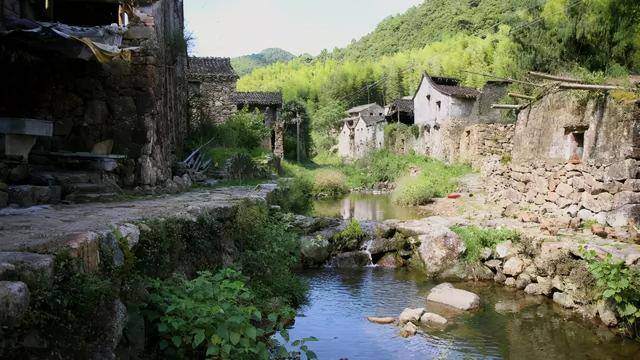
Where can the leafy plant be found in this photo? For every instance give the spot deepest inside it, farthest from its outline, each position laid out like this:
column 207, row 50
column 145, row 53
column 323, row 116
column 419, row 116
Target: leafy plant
column 211, row 316
column 619, row 285
column 350, row 238
column 476, row 238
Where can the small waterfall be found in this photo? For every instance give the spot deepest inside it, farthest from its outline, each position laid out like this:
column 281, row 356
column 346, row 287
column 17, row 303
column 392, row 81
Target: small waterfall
column 367, row 250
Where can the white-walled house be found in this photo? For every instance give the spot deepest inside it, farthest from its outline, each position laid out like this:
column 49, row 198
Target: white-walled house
column 369, row 135
column 440, row 105
column 346, row 138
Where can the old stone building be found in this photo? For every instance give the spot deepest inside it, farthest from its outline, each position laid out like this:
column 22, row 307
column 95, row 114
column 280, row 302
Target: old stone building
column 107, row 79
column 362, row 131
column 401, row 110
column 572, row 160
column 269, row 104
column 212, row 86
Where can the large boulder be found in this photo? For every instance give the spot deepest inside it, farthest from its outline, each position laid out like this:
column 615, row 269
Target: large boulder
column 505, row 250
column 462, row 271
column 409, row 329
column 440, row 250
column 513, row 266
column 352, row 259
column 446, row 294
column 14, row 301
column 314, row 250
column 431, row 318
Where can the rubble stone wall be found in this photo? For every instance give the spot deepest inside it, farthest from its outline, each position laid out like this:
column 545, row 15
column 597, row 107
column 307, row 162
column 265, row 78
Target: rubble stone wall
column 140, row 105
column 566, row 191
column 480, row 141
column 212, row 98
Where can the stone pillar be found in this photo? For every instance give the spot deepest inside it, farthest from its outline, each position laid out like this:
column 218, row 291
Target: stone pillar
column 278, row 146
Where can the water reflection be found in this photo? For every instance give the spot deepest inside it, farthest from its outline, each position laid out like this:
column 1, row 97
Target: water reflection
column 366, row 207
column 341, row 299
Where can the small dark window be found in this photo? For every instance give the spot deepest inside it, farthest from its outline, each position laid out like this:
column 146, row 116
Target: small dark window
column 438, row 103
column 428, row 97
column 577, row 145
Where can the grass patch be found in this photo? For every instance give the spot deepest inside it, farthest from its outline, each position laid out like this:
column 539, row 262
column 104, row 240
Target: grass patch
column 435, row 179
column 329, row 184
column 350, row 238
column 476, row 238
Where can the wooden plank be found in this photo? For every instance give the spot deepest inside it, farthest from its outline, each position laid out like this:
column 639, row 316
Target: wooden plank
column 23, row 126
column 593, row 87
column 553, row 77
column 522, row 96
column 507, row 106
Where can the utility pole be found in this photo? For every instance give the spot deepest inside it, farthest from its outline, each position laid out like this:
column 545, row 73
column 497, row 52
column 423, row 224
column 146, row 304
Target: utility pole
column 297, row 120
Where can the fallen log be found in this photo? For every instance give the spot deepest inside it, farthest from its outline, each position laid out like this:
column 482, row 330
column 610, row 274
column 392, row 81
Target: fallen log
column 522, row 96
column 507, row 106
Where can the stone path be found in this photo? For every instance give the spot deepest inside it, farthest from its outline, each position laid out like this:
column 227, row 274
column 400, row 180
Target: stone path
column 45, row 227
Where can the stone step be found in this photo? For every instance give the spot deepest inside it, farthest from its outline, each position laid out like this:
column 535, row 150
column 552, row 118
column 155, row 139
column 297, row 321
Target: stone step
column 91, row 188
column 79, row 198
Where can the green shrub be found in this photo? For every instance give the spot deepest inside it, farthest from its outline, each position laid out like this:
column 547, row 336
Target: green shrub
column 329, row 184
column 348, row 239
column 294, row 195
column 476, row 238
column 244, row 130
column 619, row 285
column 212, row 316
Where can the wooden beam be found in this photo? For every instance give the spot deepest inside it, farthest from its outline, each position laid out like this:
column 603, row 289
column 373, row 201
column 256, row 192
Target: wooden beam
column 501, row 78
column 592, row 87
column 522, row 96
column 507, row 106
column 553, row 77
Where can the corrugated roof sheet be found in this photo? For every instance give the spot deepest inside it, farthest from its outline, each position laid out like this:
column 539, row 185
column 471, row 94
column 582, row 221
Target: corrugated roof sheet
column 211, row 66
column 258, row 98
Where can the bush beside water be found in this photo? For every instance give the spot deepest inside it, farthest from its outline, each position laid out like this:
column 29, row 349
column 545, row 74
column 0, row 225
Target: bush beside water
column 476, row 238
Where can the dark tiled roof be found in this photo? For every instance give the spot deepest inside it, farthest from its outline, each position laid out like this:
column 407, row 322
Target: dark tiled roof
column 371, row 120
column 404, row 105
column 360, row 108
column 258, row 98
column 450, row 87
column 211, row 66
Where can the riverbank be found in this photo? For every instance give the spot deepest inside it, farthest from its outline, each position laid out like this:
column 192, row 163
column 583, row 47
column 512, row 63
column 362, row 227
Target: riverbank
column 143, row 271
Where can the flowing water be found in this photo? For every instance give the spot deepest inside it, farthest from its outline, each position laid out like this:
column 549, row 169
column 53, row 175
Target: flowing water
column 362, row 206
column 509, row 325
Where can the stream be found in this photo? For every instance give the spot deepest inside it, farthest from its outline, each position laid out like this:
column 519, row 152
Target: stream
column 509, row 324
column 363, row 206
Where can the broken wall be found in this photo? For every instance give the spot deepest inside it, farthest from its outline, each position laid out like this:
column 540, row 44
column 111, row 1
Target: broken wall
column 480, row 141
column 211, row 98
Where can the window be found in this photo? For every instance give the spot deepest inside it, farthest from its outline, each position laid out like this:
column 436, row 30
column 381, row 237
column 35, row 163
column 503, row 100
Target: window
column 428, row 97
column 438, row 103
column 575, row 142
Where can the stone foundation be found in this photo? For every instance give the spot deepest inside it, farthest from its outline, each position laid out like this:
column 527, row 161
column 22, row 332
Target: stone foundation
column 608, row 194
column 480, row 141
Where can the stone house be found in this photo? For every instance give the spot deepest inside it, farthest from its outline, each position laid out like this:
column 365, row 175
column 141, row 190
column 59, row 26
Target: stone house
column 440, row 106
column 362, row 131
column 212, row 86
column 107, row 78
column 270, row 105
column 368, row 135
column 573, row 161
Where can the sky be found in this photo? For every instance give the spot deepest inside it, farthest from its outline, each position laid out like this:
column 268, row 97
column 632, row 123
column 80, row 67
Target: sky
column 232, row 28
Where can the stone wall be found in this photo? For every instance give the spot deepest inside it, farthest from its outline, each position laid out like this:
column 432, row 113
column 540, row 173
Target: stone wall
column 480, row 141
column 212, row 98
column 566, row 192
column 140, row 105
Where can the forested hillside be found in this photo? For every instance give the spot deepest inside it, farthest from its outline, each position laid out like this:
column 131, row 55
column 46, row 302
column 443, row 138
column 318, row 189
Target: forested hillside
column 592, row 39
column 245, row 64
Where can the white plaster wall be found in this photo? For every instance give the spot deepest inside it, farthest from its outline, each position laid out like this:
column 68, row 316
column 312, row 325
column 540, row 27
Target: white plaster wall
column 345, row 147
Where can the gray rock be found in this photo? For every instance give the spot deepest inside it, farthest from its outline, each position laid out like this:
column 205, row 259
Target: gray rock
column 409, row 329
column 513, row 266
column 494, row 264
column 606, row 314
column 30, row 195
column 352, row 259
column 446, row 294
column 564, row 299
column 623, row 215
column 314, row 250
column 597, row 203
column 500, row 277
column 431, row 318
column 543, row 286
column 30, row 268
column 462, row 270
column 522, row 281
column 505, row 250
column 510, row 282
column 14, row 301
column 439, row 250
column 410, row 315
